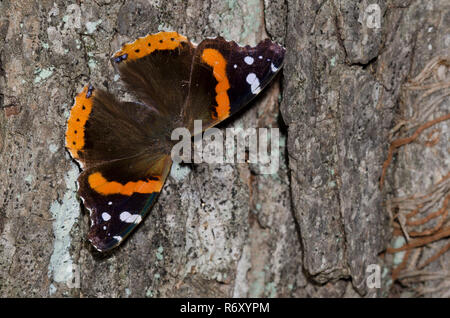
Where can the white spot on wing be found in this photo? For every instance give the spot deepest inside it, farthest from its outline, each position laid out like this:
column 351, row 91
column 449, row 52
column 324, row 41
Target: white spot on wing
column 127, row 217
column 235, row 66
column 273, row 67
column 253, row 80
column 249, row 60
column 106, row 216
column 117, row 237
column 109, row 203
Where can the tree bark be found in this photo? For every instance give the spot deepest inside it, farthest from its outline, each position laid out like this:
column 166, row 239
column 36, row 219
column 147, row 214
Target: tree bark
column 311, row 230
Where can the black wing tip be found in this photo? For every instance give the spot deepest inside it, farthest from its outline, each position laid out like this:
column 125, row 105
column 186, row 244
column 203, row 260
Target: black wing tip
column 104, row 246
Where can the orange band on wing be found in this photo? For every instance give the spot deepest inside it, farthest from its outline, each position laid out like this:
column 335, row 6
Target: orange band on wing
column 105, row 187
column 146, row 45
column 215, row 59
column 79, row 115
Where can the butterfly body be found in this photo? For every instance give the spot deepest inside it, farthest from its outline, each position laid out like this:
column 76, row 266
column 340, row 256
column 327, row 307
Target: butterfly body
column 124, row 147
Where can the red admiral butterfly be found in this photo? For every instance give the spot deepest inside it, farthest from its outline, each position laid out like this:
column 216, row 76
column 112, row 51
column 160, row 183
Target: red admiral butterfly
column 124, row 147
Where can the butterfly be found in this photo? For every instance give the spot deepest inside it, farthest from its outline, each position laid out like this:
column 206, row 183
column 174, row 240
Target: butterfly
column 124, row 148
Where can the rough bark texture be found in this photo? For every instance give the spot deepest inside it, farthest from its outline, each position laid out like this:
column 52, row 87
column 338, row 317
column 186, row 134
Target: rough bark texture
column 312, row 229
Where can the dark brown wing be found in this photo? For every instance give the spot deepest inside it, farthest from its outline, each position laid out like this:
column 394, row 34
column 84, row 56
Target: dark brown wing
column 102, row 129
column 156, row 68
column 226, row 76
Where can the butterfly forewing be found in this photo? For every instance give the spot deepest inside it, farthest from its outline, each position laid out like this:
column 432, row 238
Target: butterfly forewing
column 159, row 74
column 226, row 76
column 119, row 194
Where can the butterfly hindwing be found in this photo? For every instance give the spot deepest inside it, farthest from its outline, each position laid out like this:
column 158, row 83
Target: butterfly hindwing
column 101, row 129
